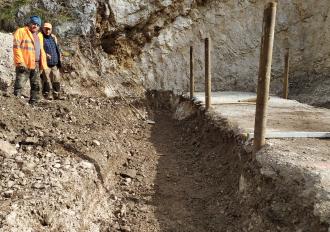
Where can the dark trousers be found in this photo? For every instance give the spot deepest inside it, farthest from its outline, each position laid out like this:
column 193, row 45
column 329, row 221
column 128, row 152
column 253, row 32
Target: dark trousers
column 22, row 76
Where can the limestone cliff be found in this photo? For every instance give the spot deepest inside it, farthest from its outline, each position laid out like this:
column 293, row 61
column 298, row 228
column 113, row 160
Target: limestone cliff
column 149, row 41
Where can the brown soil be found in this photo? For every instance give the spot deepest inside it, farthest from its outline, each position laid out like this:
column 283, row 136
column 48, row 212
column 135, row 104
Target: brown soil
column 94, row 165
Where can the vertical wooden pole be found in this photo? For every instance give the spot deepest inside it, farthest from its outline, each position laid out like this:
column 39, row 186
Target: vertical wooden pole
column 264, row 76
column 286, row 74
column 207, row 74
column 192, row 78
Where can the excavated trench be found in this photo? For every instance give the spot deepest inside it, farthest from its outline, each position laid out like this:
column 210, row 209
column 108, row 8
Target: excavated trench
column 94, row 165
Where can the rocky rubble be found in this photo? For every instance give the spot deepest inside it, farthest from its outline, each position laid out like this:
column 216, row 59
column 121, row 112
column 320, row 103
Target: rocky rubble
column 55, row 174
column 96, row 164
column 37, row 184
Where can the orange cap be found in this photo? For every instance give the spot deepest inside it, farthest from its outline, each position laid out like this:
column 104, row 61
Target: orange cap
column 48, row 25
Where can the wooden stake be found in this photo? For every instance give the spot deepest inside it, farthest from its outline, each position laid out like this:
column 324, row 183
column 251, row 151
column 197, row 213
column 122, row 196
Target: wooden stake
column 264, row 76
column 207, row 74
column 286, row 74
column 192, row 78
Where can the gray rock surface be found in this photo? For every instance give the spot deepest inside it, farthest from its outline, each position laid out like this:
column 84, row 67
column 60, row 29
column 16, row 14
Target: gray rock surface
column 7, row 148
column 155, row 36
column 7, row 69
column 235, row 29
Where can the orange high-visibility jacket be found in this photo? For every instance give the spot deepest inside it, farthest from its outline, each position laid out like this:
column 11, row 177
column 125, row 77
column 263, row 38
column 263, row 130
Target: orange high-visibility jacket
column 24, row 50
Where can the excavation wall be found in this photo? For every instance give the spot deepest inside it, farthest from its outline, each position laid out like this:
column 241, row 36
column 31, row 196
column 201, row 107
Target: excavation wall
column 148, row 42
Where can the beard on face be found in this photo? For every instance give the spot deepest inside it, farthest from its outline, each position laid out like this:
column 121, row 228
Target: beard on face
column 33, row 28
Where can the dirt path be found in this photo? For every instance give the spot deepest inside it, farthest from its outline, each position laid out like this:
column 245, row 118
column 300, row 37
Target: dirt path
column 180, row 190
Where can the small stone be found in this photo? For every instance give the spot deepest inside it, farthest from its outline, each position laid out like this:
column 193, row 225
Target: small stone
column 8, row 194
column 45, row 220
column 31, row 140
column 28, row 167
column 150, row 122
column 86, row 164
column 38, row 186
column 7, row 148
column 115, row 227
column 49, row 155
column 125, row 228
column 18, row 159
column 56, row 184
column 128, row 181
column 11, row 218
column 66, row 162
column 123, row 211
column 96, row 143
column 21, row 174
column 57, row 165
column 24, row 182
column 242, row 184
column 129, row 173
column 10, row 184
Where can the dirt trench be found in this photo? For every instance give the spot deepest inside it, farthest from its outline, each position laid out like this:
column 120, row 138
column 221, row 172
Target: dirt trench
column 92, row 164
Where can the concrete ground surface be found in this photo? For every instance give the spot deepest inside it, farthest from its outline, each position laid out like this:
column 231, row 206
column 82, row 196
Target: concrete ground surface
column 292, row 160
column 283, row 115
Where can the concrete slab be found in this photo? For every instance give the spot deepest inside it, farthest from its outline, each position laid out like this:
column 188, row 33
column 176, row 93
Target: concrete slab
column 283, row 115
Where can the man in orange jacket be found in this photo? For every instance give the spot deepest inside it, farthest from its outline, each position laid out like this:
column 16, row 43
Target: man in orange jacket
column 29, row 57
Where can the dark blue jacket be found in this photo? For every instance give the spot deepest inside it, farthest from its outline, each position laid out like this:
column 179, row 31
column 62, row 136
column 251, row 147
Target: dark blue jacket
column 51, row 48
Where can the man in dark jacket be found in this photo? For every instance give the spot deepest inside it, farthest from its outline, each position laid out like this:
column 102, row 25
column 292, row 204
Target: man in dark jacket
column 51, row 76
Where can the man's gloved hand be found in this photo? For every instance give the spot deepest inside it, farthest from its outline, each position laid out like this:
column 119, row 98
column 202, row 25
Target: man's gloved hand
column 21, row 69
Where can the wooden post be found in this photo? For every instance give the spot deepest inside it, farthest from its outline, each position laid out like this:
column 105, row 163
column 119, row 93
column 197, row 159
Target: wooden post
column 207, row 74
column 286, row 74
column 192, row 78
column 264, row 76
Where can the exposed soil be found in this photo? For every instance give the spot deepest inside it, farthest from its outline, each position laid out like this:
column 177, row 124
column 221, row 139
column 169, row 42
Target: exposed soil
column 92, row 164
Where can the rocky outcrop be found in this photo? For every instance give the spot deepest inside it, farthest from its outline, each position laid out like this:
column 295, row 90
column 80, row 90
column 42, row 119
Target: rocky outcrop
column 149, row 40
column 7, row 71
column 235, row 29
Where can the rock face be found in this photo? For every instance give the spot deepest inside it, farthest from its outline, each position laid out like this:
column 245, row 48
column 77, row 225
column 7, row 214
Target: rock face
column 235, row 29
column 150, row 40
column 7, row 70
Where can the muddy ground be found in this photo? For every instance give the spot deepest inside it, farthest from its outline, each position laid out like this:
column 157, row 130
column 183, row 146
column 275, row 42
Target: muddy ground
column 92, row 164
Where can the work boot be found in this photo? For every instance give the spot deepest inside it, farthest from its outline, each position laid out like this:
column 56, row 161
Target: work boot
column 56, row 91
column 34, row 97
column 57, row 96
column 47, row 96
column 17, row 93
column 32, row 101
column 45, row 87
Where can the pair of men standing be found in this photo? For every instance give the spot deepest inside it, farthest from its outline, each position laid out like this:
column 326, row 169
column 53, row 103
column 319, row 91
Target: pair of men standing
column 36, row 52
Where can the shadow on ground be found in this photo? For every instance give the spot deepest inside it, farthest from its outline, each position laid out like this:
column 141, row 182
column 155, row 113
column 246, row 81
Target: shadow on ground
column 207, row 182
column 197, row 177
